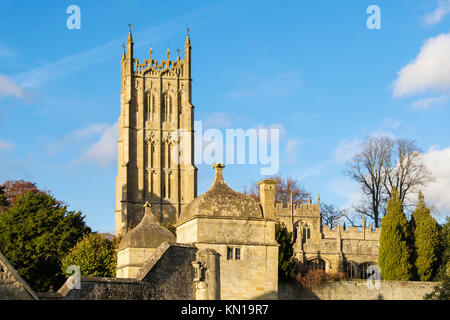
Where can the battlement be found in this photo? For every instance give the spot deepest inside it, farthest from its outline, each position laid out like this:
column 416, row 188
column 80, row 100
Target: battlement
column 301, row 207
column 297, row 210
column 153, row 66
column 367, row 233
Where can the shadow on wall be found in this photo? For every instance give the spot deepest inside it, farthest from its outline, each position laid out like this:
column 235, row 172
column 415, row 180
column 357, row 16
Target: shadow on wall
column 133, row 208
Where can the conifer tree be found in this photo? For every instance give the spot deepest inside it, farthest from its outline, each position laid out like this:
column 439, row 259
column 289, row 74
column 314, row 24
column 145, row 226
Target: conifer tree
column 394, row 256
column 426, row 241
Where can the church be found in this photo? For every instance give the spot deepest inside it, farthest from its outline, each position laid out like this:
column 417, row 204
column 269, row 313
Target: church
column 225, row 245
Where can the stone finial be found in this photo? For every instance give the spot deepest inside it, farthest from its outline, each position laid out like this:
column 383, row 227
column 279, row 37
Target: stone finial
column 318, row 199
column 130, row 37
column 168, row 54
column 309, row 200
column 218, row 177
column 150, row 53
column 148, row 213
column 188, row 41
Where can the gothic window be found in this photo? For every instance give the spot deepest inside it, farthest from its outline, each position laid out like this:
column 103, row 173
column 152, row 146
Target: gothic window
column 152, row 155
column 164, row 191
column 351, row 270
column 168, row 185
column 306, row 233
column 150, row 106
column 167, row 108
column 316, row 264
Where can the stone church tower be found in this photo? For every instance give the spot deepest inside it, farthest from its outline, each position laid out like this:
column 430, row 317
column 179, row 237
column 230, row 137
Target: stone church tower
column 156, row 138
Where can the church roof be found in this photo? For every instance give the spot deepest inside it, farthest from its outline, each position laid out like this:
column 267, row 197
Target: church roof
column 147, row 234
column 221, row 201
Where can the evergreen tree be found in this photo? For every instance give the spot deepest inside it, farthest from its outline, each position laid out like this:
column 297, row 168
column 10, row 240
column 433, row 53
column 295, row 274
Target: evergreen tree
column 35, row 234
column 94, row 255
column 3, row 200
column 287, row 267
column 426, row 241
column 394, row 255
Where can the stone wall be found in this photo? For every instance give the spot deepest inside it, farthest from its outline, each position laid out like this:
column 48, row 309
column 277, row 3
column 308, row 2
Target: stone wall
column 357, row 290
column 167, row 275
column 12, row 286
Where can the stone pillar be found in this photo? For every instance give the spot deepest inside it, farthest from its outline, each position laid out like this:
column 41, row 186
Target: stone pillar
column 267, row 197
column 207, row 277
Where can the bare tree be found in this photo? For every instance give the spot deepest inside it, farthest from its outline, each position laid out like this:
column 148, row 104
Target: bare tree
column 367, row 169
column 382, row 164
column 331, row 215
column 283, row 190
column 406, row 170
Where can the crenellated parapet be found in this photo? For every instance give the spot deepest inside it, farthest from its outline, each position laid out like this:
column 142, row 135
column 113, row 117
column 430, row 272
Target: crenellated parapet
column 160, row 67
column 358, row 233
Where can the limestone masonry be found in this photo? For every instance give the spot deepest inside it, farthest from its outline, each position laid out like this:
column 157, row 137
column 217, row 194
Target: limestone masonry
column 225, row 245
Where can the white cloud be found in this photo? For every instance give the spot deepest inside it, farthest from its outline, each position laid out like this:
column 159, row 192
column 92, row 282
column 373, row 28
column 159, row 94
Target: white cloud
column 438, row 14
column 76, row 136
column 291, row 150
column 346, row 189
column 346, row 150
column 437, row 193
column 6, row 146
column 9, row 88
column 429, row 103
column 429, row 71
column 104, row 151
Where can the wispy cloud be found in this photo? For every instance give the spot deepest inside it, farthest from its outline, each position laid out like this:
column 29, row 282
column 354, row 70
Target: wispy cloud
column 430, row 103
column 9, row 88
column 6, row 146
column 442, row 10
column 104, row 151
column 291, row 150
column 346, row 150
column 144, row 38
column 76, row 137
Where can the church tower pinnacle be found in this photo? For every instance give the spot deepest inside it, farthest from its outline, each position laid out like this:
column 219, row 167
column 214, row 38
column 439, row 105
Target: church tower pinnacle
column 156, row 138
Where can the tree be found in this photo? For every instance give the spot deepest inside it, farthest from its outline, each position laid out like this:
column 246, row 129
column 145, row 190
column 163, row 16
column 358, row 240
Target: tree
column 442, row 290
column 331, row 215
column 426, row 241
column 36, row 233
column 385, row 163
column 14, row 188
column 287, row 267
column 394, row 255
column 283, row 189
column 367, row 169
column 405, row 169
column 94, row 255
column 3, row 200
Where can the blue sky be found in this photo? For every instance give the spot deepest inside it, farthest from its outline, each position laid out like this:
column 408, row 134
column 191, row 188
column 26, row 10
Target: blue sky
column 311, row 68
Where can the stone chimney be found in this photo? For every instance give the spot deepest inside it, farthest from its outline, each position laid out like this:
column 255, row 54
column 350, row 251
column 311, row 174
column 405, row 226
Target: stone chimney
column 267, row 197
